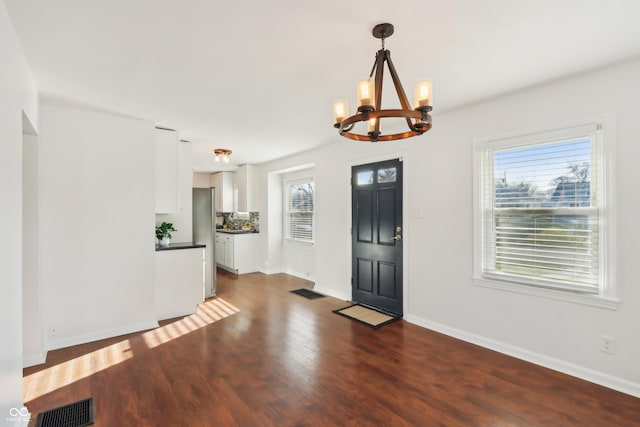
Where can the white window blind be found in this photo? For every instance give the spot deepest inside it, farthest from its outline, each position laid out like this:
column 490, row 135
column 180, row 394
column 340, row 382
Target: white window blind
column 541, row 207
column 300, row 210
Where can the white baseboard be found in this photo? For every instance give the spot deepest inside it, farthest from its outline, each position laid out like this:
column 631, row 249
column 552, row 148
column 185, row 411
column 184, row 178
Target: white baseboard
column 581, row 372
column 319, row 289
column 300, row 275
column 268, row 271
column 53, row 344
column 332, row 293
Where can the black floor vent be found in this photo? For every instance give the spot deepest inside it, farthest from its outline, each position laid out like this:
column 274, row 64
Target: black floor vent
column 307, row 293
column 76, row 414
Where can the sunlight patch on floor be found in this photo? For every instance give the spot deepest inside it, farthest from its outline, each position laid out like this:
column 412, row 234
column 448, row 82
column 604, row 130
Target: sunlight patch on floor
column 66, row 373
column 63, row 374
column 207, row 313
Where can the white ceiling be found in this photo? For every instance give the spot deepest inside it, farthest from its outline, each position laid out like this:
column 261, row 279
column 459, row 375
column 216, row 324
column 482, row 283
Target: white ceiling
column 260, row 77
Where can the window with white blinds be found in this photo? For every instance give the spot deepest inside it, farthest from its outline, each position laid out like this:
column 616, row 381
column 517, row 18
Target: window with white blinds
column 299, row 207
column 541, row 200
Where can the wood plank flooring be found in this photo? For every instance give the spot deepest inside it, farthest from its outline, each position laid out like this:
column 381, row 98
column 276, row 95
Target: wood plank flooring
column 257, row 355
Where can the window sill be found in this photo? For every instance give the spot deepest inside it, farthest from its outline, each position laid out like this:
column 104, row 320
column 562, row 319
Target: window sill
column 297, row 243
column 576, row 298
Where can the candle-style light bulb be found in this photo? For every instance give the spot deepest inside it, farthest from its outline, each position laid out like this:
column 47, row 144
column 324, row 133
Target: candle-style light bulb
column 340, row 111
column 371, row 124
column 423, row 93
column 365, row 92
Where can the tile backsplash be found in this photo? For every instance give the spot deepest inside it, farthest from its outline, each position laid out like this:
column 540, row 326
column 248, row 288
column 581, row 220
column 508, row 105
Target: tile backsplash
column 237, row 224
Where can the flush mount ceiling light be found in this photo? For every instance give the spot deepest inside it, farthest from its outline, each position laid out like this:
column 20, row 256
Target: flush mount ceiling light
column 222, row 154
column 370, row 97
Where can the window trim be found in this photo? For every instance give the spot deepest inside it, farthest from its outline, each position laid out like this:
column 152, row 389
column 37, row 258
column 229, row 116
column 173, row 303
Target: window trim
column 287, row 194
column 607, row 296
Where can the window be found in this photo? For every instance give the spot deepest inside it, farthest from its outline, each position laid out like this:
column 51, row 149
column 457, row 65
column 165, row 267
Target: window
column 540, row 203
column 385, row 175
column 299, row 215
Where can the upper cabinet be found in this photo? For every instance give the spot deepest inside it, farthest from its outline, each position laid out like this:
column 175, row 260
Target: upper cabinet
column 224, row 185
column 243, row 186
column 167, row 171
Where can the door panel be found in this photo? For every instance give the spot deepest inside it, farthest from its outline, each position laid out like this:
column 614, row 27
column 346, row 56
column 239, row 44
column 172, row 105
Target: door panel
column 377, row 235
column 365, row 275
column 365, row 217
column 387, row 274
column 386, row 216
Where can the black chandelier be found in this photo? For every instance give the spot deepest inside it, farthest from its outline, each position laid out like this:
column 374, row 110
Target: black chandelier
column 370, row 98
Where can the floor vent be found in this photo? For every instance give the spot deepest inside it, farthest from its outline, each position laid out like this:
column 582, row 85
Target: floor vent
column 307, row 293
column 76, row 414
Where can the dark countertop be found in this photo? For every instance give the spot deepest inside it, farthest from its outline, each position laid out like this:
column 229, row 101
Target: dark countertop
column 186, row 245
column 227, row 231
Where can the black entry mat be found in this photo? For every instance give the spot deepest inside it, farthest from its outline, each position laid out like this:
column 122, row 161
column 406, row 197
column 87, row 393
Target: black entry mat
column 76, row 414
column 307, row 293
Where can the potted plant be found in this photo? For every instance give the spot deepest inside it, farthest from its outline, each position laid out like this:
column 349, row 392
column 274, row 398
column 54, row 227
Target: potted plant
column 163, row 233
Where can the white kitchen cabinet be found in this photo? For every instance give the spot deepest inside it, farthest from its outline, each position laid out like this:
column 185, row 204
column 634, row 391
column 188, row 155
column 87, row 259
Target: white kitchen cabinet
column 179, row 282
column 224, row 250
column 220, row 249
column 167, row 171
column 245, row 249
column 237, row 252
column 243, row 186
column 229, row 259
column 182, row 220
column 224, row 185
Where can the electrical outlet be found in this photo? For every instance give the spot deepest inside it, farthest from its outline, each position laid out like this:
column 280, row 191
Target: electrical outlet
column 608, row 344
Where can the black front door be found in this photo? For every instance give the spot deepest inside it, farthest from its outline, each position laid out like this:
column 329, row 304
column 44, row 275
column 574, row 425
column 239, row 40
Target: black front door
column 376, row 229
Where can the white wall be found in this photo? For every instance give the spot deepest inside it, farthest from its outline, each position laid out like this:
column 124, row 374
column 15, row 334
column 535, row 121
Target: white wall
column 96, row 225
column 272, row 234
column 201, row 180
column 563, row 335
column 34, row 351
column 438, row 229
column 332, row 176
column 268, row 197
column 183, row 220
column 18, row 96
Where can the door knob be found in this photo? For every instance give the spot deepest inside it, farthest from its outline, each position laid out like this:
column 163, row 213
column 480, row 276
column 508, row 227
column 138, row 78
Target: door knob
column 396, row 237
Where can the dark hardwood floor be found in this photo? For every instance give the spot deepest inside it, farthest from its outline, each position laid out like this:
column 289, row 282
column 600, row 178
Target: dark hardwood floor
column 257, row 355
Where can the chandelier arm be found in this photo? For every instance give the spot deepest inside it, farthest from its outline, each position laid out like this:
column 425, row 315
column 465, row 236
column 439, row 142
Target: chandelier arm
column 375, row 63
column 380, row 58
column 402, row 96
